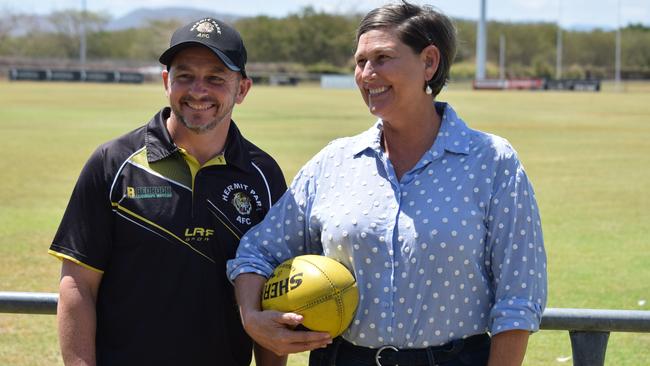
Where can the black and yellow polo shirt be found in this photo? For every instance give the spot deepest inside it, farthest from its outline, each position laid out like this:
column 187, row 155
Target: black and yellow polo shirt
column 160, row 229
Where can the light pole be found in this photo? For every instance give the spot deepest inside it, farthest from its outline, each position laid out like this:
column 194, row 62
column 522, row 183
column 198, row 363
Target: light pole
column 502, row 57
column 617, row 62
column 558, row 51
column 481, row 44
column 82, row 36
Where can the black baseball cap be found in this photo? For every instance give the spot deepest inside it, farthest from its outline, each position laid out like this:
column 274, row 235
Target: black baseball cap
column 216, row 35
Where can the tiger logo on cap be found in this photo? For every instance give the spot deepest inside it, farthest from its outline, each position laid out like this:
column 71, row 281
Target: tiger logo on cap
column 206, row 26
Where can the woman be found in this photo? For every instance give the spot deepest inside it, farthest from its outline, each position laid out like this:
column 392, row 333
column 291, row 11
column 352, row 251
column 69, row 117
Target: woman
column 438, row 222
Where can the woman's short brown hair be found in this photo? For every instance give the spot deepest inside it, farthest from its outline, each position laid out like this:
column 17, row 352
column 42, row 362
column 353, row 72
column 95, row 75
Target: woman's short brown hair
column 417, row 27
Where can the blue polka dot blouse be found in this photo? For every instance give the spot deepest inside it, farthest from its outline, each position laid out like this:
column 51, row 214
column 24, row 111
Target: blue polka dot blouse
column 451, row 250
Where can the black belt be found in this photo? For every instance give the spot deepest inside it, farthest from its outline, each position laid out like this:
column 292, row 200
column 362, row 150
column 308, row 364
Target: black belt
column 389, row 355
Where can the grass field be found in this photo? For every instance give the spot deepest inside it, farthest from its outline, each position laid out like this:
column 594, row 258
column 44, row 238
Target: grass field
column 588, row 155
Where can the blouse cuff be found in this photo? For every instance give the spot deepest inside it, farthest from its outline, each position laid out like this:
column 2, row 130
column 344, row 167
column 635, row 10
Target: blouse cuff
column 512, row 314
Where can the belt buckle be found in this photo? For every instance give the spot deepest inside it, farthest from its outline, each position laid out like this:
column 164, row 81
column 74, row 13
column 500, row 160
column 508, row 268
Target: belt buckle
column 380, row 350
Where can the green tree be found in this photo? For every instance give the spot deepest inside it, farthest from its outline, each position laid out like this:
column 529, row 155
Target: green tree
column 589, row 49
column 466, row 39
column 267, row 39
column 149, row 42
column 323, row 37
column 8, row 22
column 68, row 26
column 635, row 52
column 319, row 42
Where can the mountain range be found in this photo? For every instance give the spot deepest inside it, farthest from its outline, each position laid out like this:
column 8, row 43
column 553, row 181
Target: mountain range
column 135, row 19
column 141, row 16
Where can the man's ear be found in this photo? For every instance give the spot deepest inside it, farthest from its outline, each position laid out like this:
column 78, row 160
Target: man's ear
column 165, row 80
column 245, row 85
column 430, row 55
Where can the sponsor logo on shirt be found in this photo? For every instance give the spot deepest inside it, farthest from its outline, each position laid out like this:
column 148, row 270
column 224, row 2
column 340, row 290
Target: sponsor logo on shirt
column 149, row 192
column 198, row 234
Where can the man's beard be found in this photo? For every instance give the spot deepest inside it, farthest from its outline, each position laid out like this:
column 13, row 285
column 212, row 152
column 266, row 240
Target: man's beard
column 198, row 129
column 219, row 115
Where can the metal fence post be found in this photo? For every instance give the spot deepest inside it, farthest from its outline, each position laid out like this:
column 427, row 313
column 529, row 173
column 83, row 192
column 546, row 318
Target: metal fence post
column 588, row 347
column 28, row 302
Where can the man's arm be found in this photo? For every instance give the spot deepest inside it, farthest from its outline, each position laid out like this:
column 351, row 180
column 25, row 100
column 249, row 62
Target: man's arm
column 264, row 357
column 272, row 329
column 508, row 348
column 76, row 314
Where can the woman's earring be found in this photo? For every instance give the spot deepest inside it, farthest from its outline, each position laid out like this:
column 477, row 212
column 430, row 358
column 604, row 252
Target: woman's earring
column 428, row 90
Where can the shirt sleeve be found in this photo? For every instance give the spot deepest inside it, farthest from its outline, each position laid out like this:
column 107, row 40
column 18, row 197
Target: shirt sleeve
column 286, row 231
column 84, row 235
column 515, row 250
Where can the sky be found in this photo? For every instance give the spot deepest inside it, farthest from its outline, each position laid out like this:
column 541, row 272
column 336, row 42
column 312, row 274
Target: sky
column 569, row 13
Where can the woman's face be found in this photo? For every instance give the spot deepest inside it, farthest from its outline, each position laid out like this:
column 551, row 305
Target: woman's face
column 389, row 74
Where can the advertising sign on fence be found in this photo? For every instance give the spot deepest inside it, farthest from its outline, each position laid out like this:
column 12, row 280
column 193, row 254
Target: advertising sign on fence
column 538, row 84
column 90, row 76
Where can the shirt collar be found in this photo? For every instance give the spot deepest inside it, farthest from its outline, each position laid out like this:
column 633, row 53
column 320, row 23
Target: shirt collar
column 157, row 139
column 453, row 135
column 160, row 144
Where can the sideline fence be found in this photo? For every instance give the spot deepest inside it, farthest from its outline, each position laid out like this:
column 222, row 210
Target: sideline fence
column 588, row 328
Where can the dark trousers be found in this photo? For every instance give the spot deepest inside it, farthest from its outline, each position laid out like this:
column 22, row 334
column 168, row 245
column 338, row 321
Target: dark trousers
column 473, row 351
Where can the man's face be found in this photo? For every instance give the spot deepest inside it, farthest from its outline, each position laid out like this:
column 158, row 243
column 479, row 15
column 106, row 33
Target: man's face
column 202, row 91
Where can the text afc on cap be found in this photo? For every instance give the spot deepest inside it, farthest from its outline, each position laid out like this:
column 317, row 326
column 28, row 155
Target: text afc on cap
column 222, row 39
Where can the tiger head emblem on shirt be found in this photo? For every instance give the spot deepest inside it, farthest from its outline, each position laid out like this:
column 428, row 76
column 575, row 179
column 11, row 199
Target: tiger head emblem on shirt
column 242, row 203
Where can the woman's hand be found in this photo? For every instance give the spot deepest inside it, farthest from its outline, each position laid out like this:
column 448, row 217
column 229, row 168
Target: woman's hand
column 277, row 332
column 273, row 330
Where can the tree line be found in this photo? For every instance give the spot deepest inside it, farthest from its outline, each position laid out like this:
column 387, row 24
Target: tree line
column 314, row 41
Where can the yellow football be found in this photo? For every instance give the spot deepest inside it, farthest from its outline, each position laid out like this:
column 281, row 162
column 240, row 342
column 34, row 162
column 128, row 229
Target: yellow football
column 319, row 288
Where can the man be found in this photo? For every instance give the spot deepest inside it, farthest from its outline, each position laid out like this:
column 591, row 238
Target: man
column 156, row 214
